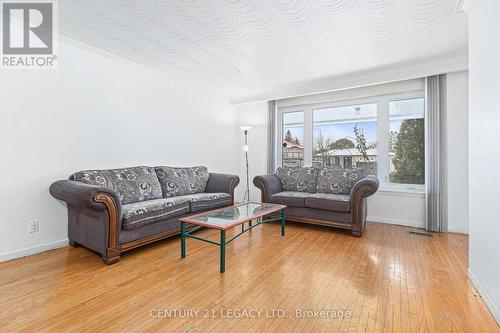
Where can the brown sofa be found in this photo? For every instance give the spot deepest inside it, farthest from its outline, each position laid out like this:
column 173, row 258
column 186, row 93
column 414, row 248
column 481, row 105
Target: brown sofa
column 115, row 210
column 320, row 195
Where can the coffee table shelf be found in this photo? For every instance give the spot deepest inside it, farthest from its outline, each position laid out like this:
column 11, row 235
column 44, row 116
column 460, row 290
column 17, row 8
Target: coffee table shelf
column 229, row 217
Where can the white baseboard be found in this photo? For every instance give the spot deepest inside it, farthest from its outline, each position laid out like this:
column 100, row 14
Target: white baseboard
column 458, row 231
column 495, row 312
column 33, row 250
column 409, row 223
column 406, row 223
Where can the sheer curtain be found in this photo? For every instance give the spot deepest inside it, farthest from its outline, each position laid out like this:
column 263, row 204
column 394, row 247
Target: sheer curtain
column 271, row 136
column 436, row 177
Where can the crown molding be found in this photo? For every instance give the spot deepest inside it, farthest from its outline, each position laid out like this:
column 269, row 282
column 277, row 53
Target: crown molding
column 463, row 6
column 385, row 74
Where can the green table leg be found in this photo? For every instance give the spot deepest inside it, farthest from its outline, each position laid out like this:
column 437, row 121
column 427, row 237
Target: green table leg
column 183, row 240
column 283, row 222
column 222, row 251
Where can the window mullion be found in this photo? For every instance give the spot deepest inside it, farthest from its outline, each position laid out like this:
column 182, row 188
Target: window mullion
column 308, row 136
column 279, row 140
column 383, row 140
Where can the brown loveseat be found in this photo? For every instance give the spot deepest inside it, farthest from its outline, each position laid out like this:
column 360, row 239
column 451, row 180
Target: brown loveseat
column 320, row 195
column 115, row 210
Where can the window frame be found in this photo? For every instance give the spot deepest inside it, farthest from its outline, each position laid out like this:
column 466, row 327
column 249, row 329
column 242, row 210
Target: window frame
column 387, row 183
column 383, row 130
column 280, row 135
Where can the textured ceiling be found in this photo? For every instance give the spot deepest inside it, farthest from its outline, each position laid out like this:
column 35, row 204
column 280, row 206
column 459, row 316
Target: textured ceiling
column 242, row 47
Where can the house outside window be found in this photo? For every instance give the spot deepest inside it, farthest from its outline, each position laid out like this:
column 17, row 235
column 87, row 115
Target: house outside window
column 347, row 133
column 292, row 146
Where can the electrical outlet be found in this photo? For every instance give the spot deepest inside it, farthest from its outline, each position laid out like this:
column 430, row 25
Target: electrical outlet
column 33, row 226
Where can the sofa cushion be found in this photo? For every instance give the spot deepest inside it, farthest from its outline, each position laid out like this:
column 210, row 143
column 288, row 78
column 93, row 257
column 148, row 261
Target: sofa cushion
column 338, row 181
column 298, row 179
column 139, row 214
column 290, row 199
column 182, row 181
column 203, row 201
column 130, row 184
column 329, row 201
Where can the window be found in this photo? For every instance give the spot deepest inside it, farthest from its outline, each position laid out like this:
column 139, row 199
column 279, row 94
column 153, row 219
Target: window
column 383, row 134
column 293, row 138
column 407, row 141
column 345, row 137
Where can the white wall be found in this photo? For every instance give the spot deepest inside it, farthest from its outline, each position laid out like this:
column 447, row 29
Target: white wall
column 95, row 112
column 356, row 93
column 484, row 154
column 457, row 152
column 393, row 207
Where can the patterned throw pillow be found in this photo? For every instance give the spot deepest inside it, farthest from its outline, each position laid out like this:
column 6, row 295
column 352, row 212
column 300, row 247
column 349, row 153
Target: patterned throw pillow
column 182, row 181
column 338, row 181
column 298, row 179
column 131, row 184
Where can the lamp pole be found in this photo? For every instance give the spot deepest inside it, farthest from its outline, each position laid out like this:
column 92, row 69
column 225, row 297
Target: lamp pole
column 245, row 149
column 246, row 160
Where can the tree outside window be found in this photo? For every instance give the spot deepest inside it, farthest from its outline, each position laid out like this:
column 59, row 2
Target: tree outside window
column 407, row 141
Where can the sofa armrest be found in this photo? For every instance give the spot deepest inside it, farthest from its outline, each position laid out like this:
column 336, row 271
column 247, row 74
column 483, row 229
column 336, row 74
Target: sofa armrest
column 220, row 182
column 364, row 188
column 268, row 185
column 360, row 191
column 94, row 197
column 82, row 195
column 79, row 195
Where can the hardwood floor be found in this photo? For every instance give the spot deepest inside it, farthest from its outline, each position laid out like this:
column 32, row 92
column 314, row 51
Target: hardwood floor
column 386, row 281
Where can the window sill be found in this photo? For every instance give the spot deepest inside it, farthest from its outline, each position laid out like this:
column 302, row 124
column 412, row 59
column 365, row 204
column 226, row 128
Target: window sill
column 402, row 191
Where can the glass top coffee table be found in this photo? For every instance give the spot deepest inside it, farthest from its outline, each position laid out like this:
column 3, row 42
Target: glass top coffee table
column 229, row 217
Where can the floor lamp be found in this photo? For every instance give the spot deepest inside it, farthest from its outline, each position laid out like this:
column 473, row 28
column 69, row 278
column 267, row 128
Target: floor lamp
column 245, row 130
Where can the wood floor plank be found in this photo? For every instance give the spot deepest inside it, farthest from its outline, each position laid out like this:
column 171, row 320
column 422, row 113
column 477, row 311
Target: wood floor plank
column 386, row 281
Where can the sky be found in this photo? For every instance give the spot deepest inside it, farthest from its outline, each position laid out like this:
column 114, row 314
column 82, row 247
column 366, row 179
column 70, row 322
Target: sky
column 398, row 111
column 338, row 131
